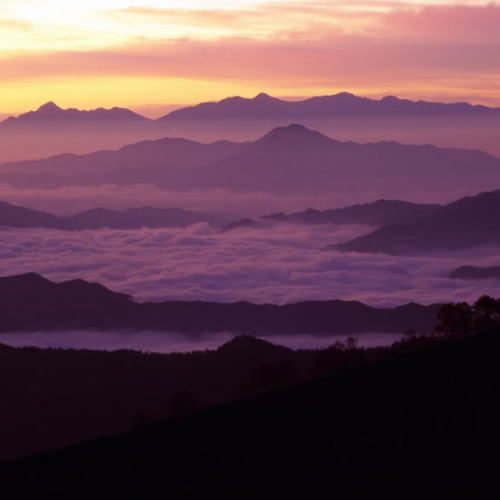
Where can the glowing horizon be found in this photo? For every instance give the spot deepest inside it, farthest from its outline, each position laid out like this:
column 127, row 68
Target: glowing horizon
column 149, row 54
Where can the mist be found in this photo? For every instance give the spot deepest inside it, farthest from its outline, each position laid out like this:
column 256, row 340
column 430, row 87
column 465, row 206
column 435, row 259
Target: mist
column 272, row 263
column 170, row 342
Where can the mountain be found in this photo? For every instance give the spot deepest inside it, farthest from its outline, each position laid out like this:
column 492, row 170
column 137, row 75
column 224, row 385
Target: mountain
column 51, row 114
column 476, row 273
column 32, row 303
column 132, row 218
column 152, row 153
column 343, row 104
column 378, row 213
column 291, row 160
column 467, row 223
column 418, row 424
column 51, row 130
column 16, row 216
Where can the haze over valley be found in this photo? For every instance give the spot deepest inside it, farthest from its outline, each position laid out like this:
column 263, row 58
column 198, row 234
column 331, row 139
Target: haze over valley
column 249, row 249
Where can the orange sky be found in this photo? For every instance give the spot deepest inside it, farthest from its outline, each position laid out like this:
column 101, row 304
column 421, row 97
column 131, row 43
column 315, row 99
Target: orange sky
column 146, row 54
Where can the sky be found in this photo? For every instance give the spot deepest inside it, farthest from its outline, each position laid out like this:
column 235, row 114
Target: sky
column 152, row 54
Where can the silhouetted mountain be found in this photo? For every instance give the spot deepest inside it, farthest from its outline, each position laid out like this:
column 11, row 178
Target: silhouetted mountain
column 161, row 152
column 467, row 223
column 295, row 159
column 32, row 303
column 132, row 218
column 51, row 114
column 343, row 104
column 15, row 216
column 423, row 424
column 378, row 213
column 476, row 273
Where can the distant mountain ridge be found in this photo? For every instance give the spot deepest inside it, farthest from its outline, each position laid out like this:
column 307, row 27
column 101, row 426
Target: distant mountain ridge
column 263, row 106
column 31, row 302
column 466, row 223
column 377, row 213
column 287, row 160
column 52, row 113
column 176, row 152
column 132, row 218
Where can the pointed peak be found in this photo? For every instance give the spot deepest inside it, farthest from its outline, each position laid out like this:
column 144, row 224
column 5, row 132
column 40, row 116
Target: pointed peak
column 263, row 97
column 390, row 98
column 49, row 107
column 346, row 95
column 295, row 131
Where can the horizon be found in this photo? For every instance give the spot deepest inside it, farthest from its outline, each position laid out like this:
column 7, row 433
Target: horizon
column 157, row 111
column 99, row 54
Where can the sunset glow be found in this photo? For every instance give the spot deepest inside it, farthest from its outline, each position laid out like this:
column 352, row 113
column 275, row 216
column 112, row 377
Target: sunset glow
column 146, row 52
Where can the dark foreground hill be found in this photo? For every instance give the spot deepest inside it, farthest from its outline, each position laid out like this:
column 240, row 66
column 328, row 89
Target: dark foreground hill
column 422, row 425
column 51, row 398
column 30, row 302
column 467, row 223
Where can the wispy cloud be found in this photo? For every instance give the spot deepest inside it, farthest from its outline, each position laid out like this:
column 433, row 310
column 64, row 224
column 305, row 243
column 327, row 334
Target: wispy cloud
column 434, row 48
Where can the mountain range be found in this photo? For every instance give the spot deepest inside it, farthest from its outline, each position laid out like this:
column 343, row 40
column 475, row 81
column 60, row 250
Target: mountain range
column 286, row 160
column 377, row 213
column 262, row 106
column 132, row 218
column 343, row 104
column 466, row 223
column 52, row 130
column 51, row 114
column 31, row 302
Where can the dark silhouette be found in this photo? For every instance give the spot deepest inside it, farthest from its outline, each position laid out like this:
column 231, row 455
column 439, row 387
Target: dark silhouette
column 152, row 153
column 32, row 303
column 476, row 273
column 51, row 113
column 378, row 213
column 292, row 159
column 132, row 218
column 462, row 319
column 467, row 223
column 420, row 422
column 343, row 104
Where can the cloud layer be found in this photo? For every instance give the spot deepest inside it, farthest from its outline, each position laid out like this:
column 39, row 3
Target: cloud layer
column 277, row 264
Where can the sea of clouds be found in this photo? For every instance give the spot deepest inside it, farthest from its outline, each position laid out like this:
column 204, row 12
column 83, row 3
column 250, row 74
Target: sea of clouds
column 276, row 263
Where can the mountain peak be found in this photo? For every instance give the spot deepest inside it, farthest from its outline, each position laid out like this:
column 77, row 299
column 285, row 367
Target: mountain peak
column 49, row 107
column 346, row 95
column 263, row 97
column 294, row 131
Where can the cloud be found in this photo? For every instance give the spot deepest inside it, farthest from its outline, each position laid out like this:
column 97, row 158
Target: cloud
column 426, row 48
column 69, row 200
column 277, row 264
